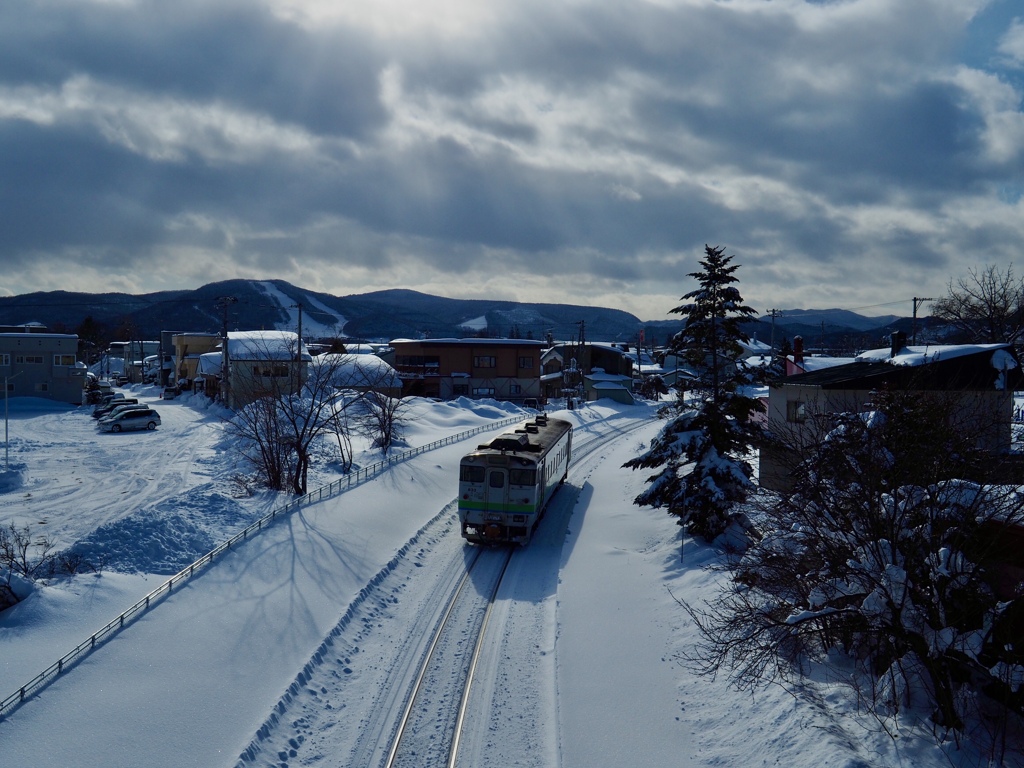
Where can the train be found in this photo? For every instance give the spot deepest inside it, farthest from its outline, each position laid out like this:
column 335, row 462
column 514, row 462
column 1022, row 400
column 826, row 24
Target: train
column 505, row 485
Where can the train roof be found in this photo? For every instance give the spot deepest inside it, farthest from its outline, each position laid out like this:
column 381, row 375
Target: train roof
column 532, row 436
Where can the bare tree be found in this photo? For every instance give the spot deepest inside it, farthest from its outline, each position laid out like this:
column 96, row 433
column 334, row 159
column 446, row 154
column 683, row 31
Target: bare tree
column 284, row 419
column 384, row 419
column 986, row 306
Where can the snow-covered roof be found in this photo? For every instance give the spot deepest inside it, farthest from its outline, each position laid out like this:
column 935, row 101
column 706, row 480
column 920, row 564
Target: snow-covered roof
column 920, row 355
column 755, row 347
column 821, row 362
column 264, row 345
column 361, row 349
column 474, row 341
column 598, row 375
column 348, row 371
column 210, row 364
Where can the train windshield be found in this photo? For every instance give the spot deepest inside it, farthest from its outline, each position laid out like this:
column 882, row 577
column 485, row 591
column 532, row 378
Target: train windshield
column 471, row 474
column 522, row 477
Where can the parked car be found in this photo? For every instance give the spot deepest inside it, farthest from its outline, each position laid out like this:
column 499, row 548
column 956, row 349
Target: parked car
column 104, row 409
column 121, row 409
column 127, row 420
column 169, row 393
column 101, row 398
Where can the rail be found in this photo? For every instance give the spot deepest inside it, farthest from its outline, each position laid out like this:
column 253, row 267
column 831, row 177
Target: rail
column 62, row 664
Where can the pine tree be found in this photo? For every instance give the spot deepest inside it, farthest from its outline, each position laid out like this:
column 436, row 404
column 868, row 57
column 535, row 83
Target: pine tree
column 700, row 453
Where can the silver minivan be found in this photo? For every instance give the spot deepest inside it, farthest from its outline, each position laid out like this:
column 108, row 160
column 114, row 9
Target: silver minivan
column 131, row 419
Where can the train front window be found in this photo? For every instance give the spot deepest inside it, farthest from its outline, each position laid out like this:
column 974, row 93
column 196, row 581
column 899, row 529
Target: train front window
column 522, row 477
column 471, row 474
column 496, row 480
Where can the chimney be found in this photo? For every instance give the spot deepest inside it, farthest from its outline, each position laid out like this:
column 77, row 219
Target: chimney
column 798, row 349
column 898, row 341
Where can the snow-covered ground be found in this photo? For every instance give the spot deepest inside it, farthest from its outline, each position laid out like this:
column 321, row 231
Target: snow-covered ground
column 282, row 650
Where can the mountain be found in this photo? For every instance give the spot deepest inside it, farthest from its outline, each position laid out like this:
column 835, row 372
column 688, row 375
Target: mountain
column 402, row 313
column 256, row 304
column 836, row 318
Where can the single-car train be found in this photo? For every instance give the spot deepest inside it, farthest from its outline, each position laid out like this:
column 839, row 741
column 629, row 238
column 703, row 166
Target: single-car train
column 505, row 485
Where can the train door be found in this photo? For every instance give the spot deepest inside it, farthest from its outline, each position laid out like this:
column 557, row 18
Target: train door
column 497, row 489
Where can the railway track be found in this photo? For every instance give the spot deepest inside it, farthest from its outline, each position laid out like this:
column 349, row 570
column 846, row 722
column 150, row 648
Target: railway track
column 423, row 707
column 429, row 731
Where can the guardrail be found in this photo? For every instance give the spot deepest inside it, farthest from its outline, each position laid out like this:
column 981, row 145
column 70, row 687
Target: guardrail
column 325, row 492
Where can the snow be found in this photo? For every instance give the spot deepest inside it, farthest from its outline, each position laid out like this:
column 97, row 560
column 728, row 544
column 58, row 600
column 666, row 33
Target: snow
column 920, row 355
column 264, row 345
column 476, row 324
column 357, row 370
column 311, row 326
column 286, row 647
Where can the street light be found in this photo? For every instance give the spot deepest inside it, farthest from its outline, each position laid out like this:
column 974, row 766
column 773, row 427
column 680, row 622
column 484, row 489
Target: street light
column 7, row 442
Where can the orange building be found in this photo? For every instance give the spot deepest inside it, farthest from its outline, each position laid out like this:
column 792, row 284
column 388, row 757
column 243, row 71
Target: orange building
column 503, row 369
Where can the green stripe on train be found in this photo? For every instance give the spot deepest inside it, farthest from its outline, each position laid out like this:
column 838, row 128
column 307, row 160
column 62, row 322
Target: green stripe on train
column 511, row 509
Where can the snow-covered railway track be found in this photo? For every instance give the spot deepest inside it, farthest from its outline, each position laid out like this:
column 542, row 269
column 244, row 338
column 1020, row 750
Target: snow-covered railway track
column 429, row 730
column 370, row 661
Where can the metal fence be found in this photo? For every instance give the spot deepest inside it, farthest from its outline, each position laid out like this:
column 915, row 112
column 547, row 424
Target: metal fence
column 352, row 479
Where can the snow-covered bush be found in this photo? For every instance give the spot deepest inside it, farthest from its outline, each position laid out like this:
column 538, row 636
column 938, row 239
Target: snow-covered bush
column 885, row 553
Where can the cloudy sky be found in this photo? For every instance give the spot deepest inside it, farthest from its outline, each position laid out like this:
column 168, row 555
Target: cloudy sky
column 853, row 154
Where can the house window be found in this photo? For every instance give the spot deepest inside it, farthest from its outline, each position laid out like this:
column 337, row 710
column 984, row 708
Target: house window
column 5, row 359
column 483, row 391
column 268, row 371
column 418, row 361
column 63, row 359
column 485, row 361
column 796, row 411
column 29, row 359
column 10, row 386
column 460, row 389
column 42, row 387
column 516, row 389
column 526, row 362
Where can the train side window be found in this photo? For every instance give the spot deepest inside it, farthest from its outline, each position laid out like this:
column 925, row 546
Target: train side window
column 522, row 477
column 496, row 480
column 470, row 474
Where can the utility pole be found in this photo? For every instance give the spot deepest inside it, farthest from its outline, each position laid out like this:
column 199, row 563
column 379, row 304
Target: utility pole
column 773, row 313
column 225, row 362
column 298, row 355
column 913, row 326
column 7, row 437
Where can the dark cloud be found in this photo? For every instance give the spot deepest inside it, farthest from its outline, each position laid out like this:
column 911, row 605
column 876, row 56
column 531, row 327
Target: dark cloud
column 236, row 52
column 602, row 140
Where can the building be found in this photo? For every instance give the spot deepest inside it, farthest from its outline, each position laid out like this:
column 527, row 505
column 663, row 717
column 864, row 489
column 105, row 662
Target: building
column 588, row 371
column 187, row 349
column 357, row 372
column 798, row 362
column 264, row 363
column 975, row 381
column 503, row 369
column 42, row 365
